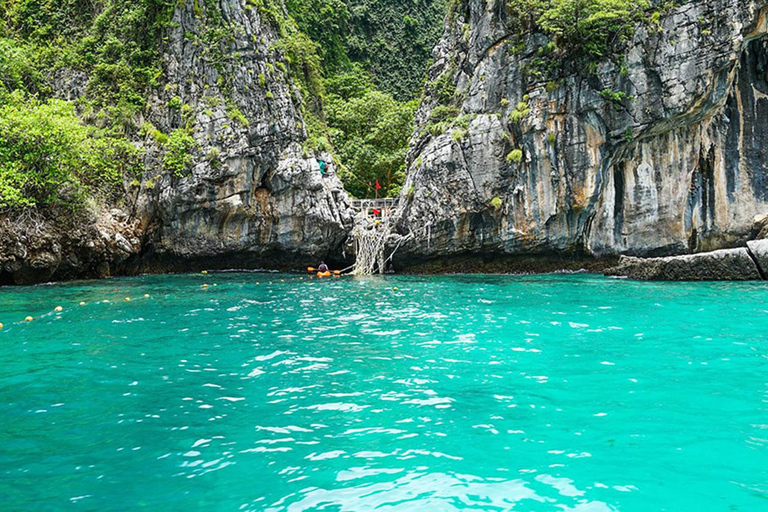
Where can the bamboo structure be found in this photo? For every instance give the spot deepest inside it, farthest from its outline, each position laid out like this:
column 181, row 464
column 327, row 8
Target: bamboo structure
column 372, row 228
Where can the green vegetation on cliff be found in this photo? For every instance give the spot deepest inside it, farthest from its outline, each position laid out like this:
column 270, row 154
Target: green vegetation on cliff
column 49, row 157
column 116, row 44
column 108, row 54
column 373, row 57
column 589, row 28
column 58, row 152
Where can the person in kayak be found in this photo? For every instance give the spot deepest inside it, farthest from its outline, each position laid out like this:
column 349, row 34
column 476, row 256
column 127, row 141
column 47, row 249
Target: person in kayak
column 323, row 267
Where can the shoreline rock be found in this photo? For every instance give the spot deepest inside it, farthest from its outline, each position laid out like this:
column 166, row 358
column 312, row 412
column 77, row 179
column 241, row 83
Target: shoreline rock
column 758, row 250
column 723, row 265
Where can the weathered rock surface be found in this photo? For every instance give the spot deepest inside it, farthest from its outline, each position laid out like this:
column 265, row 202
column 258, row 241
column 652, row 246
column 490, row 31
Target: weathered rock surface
column 251, row 197
column 680, row 168
column 92, row 244
column 758, row 250
column 723, row 265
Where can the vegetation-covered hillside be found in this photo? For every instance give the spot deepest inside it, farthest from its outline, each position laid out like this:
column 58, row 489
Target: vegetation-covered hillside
column 90, row 66
column 360, row 69
column 374, row 58
column 54, row 151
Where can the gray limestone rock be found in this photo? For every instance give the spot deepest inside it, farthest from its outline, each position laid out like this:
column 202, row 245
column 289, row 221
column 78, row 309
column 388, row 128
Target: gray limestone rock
column 723, row 265
column 675, row 165
column 91, row 243
column 759, row 251
column 253, row 196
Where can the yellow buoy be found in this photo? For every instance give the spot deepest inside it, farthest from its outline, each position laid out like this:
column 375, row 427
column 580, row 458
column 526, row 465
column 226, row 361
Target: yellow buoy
column 28, row 319
column 82, row 303
column 395, row 288
column 146, row 295
column 1, row 326
column 127, row 299
column 58, row 308
column 205, row 285
column 282, row 280
column 204, row 272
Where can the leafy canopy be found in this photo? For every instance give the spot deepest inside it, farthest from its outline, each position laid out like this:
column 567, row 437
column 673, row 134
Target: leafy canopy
column 370, row 131
column 391, row 39
column 592, row 26
column 49, row 157
column 588, row 28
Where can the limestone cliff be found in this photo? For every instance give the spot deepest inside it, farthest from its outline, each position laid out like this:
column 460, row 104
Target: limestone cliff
column 253, row 196
column 665, row 154
column 250, row 196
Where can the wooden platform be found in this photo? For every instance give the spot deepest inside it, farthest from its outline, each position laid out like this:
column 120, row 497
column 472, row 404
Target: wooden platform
column 375, row 209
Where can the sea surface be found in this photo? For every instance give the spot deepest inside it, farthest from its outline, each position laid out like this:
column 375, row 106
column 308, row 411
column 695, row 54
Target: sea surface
column 279, row 392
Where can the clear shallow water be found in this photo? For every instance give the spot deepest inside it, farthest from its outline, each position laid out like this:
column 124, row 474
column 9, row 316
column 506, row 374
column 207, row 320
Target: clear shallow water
column 481, row 393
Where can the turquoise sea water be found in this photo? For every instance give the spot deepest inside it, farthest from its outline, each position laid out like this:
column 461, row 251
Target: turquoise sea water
column 276, row 392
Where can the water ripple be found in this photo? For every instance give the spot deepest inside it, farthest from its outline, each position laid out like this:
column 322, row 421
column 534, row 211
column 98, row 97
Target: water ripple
column 485, row 393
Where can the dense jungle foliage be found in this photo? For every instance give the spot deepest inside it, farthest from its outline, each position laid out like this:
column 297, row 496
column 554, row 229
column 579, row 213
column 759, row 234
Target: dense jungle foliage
column 56, row 152
column 374, row 58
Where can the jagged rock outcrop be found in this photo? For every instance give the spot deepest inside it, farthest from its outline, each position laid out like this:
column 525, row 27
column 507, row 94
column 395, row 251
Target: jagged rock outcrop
column 91, row 244
column 674, row 164
column 251, row 196
column 758, row 249
column 722, row 265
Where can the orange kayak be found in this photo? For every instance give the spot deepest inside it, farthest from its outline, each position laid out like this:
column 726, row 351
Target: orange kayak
column 327, row 273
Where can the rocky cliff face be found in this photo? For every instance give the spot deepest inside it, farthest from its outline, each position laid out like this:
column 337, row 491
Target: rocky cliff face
column 251, row 196
column 676, row 163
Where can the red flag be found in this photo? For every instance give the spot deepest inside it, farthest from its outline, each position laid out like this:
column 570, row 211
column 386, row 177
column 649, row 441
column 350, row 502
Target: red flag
column 378, row 187
column 375, row 211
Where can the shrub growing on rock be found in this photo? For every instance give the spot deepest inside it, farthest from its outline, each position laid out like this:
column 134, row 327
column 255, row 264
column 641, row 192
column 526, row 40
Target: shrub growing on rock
column 49, row 157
